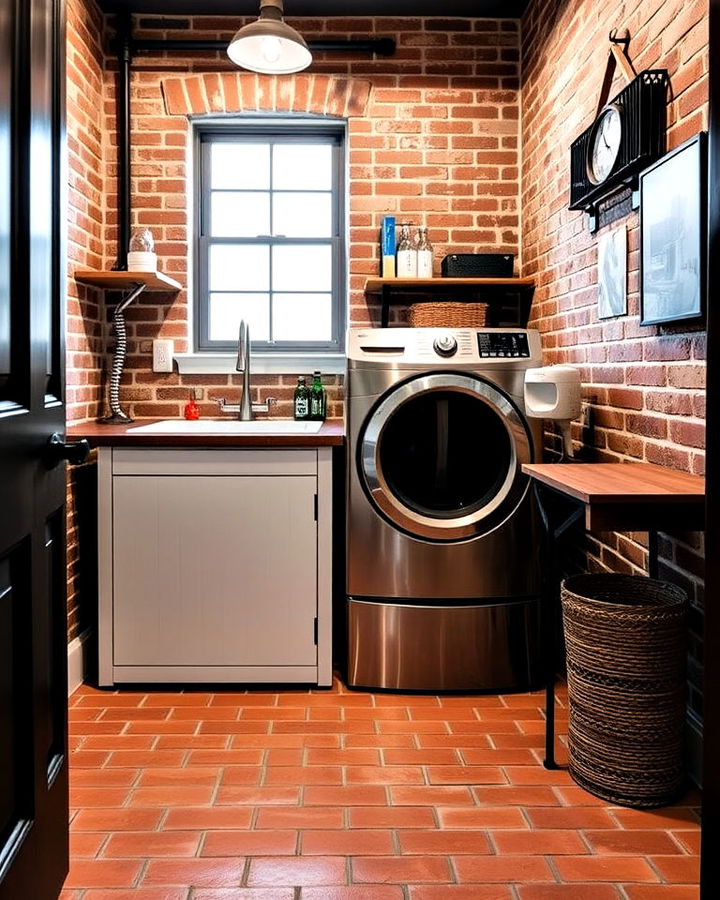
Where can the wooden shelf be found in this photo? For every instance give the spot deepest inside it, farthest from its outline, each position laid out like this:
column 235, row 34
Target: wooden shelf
column 508, row 299
column 376, row 285
column 120, row 281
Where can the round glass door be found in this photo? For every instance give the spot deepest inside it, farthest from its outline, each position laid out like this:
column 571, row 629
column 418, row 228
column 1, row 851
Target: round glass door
column 441, row 454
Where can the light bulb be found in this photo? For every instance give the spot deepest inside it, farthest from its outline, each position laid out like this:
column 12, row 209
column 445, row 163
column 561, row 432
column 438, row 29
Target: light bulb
column 271, row 48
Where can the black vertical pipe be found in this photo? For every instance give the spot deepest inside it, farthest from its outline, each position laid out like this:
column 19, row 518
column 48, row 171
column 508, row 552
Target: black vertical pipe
column 124, row 36
column 710, row 835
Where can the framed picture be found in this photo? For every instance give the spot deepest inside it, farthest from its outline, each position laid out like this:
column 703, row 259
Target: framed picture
column 612, row 273
column 673, row 234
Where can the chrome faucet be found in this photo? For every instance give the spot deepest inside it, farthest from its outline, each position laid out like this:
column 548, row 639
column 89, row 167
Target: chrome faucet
column 245, row 407
column 245, row 411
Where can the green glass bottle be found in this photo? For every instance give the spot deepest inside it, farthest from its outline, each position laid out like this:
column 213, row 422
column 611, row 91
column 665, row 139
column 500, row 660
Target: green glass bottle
column 301, row 400
column 317, row 399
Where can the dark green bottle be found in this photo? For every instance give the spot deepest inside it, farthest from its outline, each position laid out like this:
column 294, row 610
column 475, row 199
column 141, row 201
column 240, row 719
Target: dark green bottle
column 301, row 400
column 317, row 399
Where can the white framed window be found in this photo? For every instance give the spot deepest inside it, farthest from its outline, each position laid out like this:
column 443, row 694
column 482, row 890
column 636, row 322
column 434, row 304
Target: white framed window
column 270, row 246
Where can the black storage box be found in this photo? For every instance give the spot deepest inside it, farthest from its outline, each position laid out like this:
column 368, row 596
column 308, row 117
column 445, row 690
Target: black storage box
column 477, row 265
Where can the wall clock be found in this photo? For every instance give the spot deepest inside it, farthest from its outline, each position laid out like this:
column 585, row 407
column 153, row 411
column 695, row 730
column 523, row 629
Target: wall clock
column 604, row 144
column 627, row 135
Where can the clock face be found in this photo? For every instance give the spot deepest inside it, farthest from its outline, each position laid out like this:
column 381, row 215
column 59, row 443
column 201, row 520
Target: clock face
column 605, row 144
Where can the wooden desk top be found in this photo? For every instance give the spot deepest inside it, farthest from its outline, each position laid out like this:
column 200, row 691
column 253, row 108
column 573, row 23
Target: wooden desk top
column 619, row 482
column 633, row 496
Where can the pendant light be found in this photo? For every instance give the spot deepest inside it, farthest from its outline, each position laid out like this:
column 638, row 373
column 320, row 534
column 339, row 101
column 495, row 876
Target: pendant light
column 269, row 45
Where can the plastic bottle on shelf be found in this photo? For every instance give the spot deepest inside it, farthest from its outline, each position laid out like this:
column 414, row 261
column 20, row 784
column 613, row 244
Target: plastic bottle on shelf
column 318, row 401
column 424, row 254
column 301, row 400
column 406, row 255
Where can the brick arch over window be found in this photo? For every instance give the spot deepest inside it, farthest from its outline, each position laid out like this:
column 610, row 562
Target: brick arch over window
column 231, row 92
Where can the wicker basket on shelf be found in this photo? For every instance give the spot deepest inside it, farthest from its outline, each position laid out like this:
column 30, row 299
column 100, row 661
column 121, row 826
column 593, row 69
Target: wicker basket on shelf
column 447, row 315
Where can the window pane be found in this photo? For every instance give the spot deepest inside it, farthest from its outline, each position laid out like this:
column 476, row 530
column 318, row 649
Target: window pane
column 240, row 165
column 303, row 167
column 240, row 214
column 272, row 218
column 306, row 267
column 226, row 310
column 302, row 215
column 302, row 317
column 237, row 268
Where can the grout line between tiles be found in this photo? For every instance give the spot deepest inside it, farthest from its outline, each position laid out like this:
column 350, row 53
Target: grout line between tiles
column 141, row 873
column 246, row 872
column 553, row 868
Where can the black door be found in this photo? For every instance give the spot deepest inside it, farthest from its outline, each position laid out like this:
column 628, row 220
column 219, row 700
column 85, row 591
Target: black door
column 33, row 653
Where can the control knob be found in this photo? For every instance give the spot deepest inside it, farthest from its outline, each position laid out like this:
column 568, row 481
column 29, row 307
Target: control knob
column 445, row 345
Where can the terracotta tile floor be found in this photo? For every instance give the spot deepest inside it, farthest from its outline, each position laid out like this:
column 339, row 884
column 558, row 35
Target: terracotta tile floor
column 343, row 795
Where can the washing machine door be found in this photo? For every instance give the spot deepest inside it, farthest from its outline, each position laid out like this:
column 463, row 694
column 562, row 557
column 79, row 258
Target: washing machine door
column 440, row 456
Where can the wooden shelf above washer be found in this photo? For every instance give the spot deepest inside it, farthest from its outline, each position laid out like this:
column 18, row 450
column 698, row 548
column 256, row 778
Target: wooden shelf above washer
column 120, row 281
column 508, row 299
column 403, row 285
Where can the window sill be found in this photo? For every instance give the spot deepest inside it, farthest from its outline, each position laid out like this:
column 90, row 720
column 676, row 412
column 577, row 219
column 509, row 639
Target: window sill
column 287, row 364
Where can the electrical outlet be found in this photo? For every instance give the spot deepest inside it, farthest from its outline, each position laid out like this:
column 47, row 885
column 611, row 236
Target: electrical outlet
column 586, row 415
column 163, row 356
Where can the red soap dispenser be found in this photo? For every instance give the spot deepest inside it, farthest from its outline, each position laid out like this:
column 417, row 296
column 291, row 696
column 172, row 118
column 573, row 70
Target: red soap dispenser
column 192, row 410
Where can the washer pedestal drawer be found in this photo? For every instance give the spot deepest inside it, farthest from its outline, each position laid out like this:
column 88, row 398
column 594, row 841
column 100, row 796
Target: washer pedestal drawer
column 483, row 647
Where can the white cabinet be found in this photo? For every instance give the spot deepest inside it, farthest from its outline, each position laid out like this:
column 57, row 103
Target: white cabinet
column 215, row 565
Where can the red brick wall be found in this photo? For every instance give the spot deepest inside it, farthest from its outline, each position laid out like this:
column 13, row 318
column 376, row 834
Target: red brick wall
column 437, row 141
column 645, row 383
column 86, row 204
column 86, row 213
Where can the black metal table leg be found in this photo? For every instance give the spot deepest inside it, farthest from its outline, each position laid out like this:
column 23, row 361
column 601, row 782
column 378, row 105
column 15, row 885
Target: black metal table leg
column 653, row 553
column 547, row 499
column 548, row 629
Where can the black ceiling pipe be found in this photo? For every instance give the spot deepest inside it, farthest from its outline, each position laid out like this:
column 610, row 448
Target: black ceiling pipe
column 124, row 54
column 381, row 46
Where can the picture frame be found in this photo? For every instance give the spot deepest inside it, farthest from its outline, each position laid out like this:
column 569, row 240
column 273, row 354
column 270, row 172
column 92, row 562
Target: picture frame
column 612, row 273
column 673, row 229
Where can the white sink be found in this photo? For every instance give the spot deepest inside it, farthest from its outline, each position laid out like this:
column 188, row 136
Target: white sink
column 228, row 426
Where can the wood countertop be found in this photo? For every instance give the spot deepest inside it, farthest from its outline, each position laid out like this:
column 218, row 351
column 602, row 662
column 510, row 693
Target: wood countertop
column 628, row 496
column 331, row 433
column 614, row 482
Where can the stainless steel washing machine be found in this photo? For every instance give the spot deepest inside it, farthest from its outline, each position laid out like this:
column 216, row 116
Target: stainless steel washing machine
column 443, row 575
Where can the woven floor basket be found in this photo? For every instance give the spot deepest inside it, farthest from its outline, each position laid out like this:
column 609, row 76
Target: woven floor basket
column 447, row 315
column 625, row 644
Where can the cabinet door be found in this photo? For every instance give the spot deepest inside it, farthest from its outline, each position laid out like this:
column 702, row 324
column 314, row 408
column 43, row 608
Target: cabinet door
column 214, row 570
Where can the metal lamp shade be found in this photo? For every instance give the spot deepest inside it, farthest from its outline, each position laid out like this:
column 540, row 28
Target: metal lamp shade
column 269, row 46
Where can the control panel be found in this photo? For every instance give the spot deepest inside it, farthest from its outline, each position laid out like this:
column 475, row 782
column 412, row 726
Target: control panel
column 439, row 346
column 510, row 345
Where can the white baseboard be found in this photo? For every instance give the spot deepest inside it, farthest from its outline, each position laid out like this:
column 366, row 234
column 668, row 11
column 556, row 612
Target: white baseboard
column 76, row 661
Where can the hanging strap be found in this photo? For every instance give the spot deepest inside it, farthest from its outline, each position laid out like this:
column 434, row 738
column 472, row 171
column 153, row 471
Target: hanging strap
column 616, row 57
